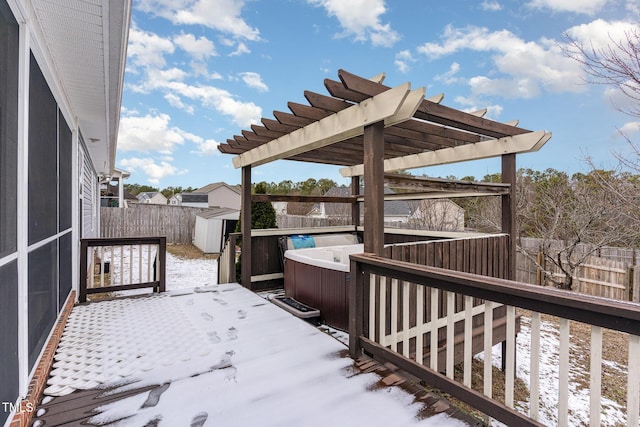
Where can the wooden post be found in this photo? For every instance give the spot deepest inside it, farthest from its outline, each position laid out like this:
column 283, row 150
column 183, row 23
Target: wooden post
column 509, row 209
column 162, row 267
column 356, row 310
column 374, row 188
column 245, row 227
column 82, row 294
column 355, row 207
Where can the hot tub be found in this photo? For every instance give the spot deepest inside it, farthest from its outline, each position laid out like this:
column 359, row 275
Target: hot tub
column 319, row 277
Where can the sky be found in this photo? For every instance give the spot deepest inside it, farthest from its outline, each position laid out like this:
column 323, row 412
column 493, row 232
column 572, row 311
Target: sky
column 200, row 71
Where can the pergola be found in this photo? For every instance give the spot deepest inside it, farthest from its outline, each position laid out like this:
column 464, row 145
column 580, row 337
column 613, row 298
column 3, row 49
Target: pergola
column 373, row 130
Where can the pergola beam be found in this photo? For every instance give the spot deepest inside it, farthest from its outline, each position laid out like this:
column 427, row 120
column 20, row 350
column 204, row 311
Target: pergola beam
column 524, row 143
column 391, row 106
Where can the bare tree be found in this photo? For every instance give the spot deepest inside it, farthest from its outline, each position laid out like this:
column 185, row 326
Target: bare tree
column 438, row 215
column 574, row 218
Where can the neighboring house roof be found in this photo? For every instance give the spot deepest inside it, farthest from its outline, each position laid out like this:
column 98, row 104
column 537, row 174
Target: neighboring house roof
column 218, row 212
column 194, row 197
column 214, row 186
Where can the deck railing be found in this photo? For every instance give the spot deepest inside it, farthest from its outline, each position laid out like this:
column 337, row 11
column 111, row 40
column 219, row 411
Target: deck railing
column 121, row 264
column 405, row 350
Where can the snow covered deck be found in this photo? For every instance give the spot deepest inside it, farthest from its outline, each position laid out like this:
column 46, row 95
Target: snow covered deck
column 214, row 355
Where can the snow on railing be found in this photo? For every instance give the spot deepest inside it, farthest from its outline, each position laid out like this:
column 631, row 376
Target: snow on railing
column 121, row 264
column 399, row 311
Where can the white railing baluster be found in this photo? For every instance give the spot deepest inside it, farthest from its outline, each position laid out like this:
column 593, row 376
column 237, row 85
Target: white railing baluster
column 450, row 347
column 468, row 340
column 510, row 359
column 433, row 348
column 595, row 379
column 102, row 266
column 534, row 356
column 419, row 322
column 130, row 264
column 372, row 307
column 383, row 311
column 488, row 345
column 405, row 319
column 563, row 375
column 139, row 263
column 121, row 248
column 394, row 314
column 633, row 381
column 149, row 264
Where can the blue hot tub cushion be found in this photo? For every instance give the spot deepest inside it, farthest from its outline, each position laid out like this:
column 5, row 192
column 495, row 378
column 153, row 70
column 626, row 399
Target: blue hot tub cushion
column 303, row 241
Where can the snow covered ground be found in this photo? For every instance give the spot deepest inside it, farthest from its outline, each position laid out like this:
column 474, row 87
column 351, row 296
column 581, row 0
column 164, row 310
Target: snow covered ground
column 225, row 356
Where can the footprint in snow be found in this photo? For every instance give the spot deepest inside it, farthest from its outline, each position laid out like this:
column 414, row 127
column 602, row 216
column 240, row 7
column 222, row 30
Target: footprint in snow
column 242, row 314
column 207, row 317
column 199, row 419
column 154, row 396
column 213, row 337
column 232, row 333
column 219, row 301
column 225, row 361
column 190, row 302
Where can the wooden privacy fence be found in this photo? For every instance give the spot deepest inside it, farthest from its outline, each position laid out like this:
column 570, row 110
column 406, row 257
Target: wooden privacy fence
column 177, row 223
column 617, row 277
column 368, row 334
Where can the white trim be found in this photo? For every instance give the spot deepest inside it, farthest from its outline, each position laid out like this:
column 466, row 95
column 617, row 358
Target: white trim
column 75, row 212
column 48, row 240
column 393, row 106
column 315, row 230
column 8, row 259
column 23, row 209
column 523, row 143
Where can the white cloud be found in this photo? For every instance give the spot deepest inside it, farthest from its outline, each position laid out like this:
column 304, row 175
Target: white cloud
column 527, row 67
column 241, row 49
column 254, row 80
column 471, row 104
column 150, row 133
column 176, row 102
column 587, row 7
column 361, row 19
column 450, row 76
column 147, row 49
column 242, row 113
column 155, row 171
column 491, row 5
column 200, row 48
column 600, row 33
column 402, row 61
column 221, row 15
column 629, row 129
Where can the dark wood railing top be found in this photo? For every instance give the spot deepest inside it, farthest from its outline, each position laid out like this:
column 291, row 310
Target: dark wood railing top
column 617, row 315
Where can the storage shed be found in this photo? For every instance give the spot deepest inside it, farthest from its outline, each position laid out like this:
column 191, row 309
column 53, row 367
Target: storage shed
column 212, row 228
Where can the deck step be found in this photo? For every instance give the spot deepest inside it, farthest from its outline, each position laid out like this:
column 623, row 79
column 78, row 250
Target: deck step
column 296, row 308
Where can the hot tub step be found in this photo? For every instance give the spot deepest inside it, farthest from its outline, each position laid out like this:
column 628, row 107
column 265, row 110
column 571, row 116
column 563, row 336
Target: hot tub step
column 296, row 308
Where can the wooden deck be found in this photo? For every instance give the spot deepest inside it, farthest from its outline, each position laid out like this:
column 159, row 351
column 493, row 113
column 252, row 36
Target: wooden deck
column 275, row 361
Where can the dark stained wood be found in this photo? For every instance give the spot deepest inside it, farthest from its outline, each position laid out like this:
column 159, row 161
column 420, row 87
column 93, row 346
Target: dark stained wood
column 78, row 407
column 355, row 207
column 509, row 207
column 158, row 284
column 433, row 112
column 301, row 110
column 245, row 228
column 419, row 184
column 374, row 188
column 276, row 126
column 291, row 120
column 263, row 131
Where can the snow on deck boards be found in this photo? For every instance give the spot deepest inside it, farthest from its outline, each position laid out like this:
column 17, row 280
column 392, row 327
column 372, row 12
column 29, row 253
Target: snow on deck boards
column 215, row 355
